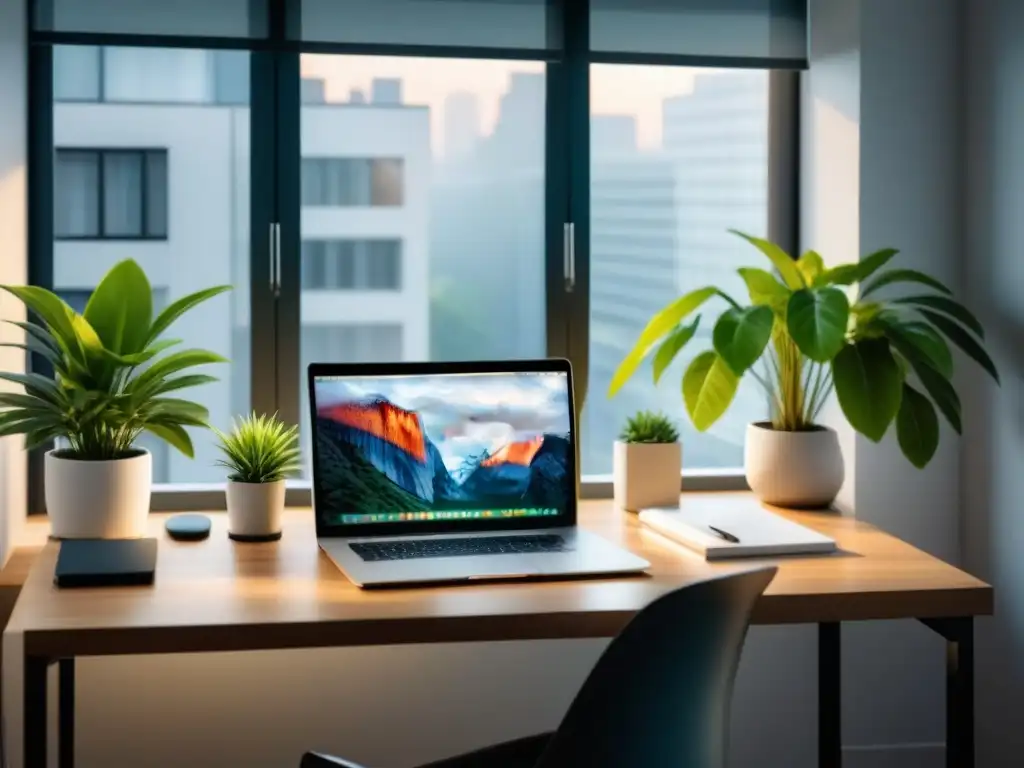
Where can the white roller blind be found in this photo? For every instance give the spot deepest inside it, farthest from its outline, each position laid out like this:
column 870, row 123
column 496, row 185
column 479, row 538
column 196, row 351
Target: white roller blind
column 209, row 18
column 484, row 23
column 754, row 29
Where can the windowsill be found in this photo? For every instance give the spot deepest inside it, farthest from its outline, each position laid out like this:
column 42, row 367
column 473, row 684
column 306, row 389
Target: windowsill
column 184, row 497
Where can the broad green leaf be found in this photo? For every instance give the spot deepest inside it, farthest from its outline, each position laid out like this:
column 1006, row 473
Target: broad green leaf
column 121, row 308
column 741, row 335
column 921, row 337
column 848, row 274
column 57, row 316
column 35, row 384
column 142, row 384
column 940, row 390
column 868, row 385
column 781, row 260
column 903, row 276
column 663, row 322
column 175, row 435
column 708, row 388
column 182, row 382
column 917, row 427
column 816, row 319
column 670, row 347
column 172, row 406
column 962, row 339
column 39, row 333
column 947, row 307
column 765, row 289
column 811, row 267
column 28, row 402
column 177, row 308
column 34, row 346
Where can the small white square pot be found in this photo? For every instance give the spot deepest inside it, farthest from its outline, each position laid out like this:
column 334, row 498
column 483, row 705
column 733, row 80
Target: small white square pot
column 646, row 474
column 255, row 510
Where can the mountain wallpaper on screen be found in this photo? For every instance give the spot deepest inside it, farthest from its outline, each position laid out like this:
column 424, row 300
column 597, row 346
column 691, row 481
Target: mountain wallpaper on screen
column 375, row 456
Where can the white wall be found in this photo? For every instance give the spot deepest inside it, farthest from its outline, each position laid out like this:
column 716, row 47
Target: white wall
column 882, row 167
column 992, row 485
column 13, row 250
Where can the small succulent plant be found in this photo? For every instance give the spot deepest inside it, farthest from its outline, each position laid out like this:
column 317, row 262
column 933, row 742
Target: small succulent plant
column 260, row 449
column 649, row 427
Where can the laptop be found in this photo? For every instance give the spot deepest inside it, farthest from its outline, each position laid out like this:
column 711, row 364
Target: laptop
column 451, row 472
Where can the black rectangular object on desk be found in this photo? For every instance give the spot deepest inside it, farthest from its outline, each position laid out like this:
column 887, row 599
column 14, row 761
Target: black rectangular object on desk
column 105, row 563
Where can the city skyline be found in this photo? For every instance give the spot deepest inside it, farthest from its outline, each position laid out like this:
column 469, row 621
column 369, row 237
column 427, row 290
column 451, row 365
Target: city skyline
column 616, row 90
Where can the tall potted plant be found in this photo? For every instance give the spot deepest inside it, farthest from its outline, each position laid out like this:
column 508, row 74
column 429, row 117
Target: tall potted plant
column 110, row 384
column 812, row 329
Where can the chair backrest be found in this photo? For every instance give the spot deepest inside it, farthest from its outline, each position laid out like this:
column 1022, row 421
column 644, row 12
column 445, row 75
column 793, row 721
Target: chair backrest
column 659, row 695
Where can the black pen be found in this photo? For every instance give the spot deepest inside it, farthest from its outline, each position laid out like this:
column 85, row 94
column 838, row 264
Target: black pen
column 725, row 535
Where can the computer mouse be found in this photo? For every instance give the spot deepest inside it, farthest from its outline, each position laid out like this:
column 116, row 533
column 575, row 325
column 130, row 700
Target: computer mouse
column 188, row 527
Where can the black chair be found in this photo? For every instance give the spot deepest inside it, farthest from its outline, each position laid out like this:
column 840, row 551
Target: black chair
column 658, row 697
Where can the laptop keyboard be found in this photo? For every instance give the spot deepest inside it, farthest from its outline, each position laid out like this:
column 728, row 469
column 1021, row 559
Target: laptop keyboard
column 409, row 549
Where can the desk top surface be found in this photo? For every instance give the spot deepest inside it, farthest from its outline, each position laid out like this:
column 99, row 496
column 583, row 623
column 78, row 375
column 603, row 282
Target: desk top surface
column 221, row 595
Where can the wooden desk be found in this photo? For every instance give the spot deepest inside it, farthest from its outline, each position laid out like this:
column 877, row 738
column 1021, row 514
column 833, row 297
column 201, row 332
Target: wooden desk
column 219, row 595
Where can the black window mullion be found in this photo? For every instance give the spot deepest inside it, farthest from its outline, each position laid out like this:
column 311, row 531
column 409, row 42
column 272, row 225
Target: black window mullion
column 101, row 192
column 144, row 194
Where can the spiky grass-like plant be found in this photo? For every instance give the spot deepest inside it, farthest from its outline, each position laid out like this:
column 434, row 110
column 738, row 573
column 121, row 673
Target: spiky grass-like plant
column 649, row 427
column 260, row 449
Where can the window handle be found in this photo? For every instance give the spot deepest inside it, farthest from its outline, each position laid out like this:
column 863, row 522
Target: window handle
column 275, row 258
column 569, row 255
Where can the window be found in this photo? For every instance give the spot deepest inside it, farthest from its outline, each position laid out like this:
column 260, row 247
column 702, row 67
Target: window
column 448, row 261
column 360, row 265
column 678, row 157
column 351, row 181
column 110, row 194
column 112, row 200
column 369, row 205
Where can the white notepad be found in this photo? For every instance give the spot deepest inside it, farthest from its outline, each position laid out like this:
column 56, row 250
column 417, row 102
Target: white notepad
column 725, row 528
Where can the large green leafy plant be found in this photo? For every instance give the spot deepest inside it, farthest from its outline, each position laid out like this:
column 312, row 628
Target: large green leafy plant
column 111, row 381
column 808, row 329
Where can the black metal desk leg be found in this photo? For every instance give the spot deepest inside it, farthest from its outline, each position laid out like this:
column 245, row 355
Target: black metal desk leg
column 66, row 714
column 830, row 703
column 34, row 727
column 959, row 635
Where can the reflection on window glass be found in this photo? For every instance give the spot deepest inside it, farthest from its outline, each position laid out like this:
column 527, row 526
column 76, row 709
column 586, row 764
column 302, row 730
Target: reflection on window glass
column 167, row 183
column 678, row 157
column 423, row 210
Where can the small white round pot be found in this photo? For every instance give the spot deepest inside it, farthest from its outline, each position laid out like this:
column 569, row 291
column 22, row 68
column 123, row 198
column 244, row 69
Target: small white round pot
column 98, row 499
column 646, row 474
column 793, row 469
column 255, row 510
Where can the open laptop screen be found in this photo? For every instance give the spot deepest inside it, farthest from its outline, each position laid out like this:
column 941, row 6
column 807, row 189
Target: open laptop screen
column 455, row 449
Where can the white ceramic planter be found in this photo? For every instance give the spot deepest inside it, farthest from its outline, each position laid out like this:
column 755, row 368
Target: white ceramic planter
column 98, row 499
column 793, row 469
column 255, row 510
column 646, row 474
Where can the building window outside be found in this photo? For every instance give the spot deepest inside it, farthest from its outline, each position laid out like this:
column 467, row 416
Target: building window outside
column 110, row 194
column 352, row 265
column 352, row 181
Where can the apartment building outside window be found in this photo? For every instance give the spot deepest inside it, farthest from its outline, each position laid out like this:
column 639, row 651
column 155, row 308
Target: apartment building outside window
column 352, row 265
column 110, row 194
column 352, row 181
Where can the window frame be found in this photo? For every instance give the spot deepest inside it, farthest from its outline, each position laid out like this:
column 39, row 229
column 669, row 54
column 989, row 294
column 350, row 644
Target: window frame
column 101, row 154
column 275, row 196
